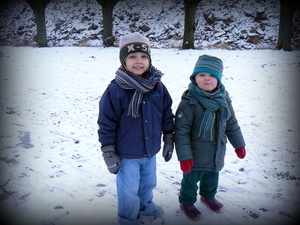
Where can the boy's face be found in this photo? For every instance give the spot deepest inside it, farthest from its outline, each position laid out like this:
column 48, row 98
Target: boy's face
column 206, row 81
column 137, row 63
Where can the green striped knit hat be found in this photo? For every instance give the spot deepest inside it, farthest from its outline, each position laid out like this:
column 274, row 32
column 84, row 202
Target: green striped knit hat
column 208, row 64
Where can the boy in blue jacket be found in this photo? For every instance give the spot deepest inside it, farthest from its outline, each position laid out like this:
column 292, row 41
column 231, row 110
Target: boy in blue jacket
column 135, row 110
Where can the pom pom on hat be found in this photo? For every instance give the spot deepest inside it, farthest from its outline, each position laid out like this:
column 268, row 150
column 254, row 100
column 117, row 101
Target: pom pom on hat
column 208, row 64
column 133, row 42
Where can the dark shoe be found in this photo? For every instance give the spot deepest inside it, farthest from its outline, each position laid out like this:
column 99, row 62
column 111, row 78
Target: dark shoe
column 191, row 212
column 213, row 204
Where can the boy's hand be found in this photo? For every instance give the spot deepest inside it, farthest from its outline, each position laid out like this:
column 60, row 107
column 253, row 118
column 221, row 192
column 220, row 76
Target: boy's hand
column 186, row 165
column 112, row 161
column 168, row 146
column 240, row 152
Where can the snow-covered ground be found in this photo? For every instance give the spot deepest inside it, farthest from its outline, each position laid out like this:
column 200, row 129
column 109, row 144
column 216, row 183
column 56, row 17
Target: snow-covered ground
column 52, row 171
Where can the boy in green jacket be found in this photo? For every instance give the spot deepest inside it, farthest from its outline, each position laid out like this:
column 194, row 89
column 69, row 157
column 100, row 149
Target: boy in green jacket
column 204, row 120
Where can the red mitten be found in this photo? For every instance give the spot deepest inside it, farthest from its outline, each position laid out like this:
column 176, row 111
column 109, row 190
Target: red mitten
column 186, row 165
column 240, row 152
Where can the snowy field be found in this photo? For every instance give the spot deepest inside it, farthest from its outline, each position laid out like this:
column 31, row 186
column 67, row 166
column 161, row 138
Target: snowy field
column 52, row 170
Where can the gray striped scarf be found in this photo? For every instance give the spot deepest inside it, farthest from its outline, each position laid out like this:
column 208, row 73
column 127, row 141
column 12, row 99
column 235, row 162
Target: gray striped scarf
column 140, row 86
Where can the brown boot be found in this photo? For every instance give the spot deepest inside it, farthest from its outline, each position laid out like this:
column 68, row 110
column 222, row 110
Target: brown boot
column 191, row 212
column 213, row 204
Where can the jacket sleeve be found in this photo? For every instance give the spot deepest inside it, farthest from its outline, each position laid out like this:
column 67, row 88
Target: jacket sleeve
column 233, row 130
column 168, row 116
column 108, row 118
column 183, row 126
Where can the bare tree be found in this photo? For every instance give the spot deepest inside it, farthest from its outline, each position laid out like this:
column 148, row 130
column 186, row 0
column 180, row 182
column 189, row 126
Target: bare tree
column 190, row 7
column 38, row 7
column 107, row 12
column 287, row 9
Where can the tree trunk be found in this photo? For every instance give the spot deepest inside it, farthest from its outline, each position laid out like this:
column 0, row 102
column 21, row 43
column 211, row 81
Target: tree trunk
column 38, row 7
column 107, row 12
column 190, row 7
column 287, row 8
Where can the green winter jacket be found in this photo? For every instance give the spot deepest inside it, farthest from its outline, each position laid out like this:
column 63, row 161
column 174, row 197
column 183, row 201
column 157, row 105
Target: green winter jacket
column 207, row 154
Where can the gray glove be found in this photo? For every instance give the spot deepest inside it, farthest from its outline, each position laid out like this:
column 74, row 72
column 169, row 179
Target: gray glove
column 112, row 161
column 168, row 146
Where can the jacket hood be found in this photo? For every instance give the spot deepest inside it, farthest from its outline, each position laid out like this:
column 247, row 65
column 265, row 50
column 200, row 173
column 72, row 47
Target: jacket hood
column 187, row 95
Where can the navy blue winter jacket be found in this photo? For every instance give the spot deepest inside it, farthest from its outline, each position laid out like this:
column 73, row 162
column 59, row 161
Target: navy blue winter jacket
column 134, row 137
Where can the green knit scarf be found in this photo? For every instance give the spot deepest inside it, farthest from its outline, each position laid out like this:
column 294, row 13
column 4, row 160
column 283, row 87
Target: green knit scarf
column 212, row 101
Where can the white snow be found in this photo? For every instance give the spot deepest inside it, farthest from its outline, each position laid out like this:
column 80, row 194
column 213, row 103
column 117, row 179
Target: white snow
column 52, row 171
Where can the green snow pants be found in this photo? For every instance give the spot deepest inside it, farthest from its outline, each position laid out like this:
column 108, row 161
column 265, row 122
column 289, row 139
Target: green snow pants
column 207, row 187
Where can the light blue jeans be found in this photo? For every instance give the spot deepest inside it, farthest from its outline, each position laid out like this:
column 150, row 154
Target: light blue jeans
column 136, row 180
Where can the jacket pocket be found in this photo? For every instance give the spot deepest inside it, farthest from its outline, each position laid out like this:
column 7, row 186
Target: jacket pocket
column 224, row 141
column 203, row 155
column 130, row 132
